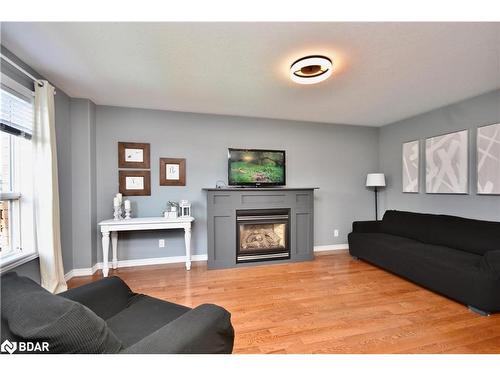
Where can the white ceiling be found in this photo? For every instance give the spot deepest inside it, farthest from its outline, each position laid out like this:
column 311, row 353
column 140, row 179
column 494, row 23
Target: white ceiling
column 384, row 72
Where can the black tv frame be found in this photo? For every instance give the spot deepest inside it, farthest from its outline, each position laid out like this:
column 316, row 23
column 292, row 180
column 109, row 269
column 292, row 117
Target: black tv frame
column 255, row 184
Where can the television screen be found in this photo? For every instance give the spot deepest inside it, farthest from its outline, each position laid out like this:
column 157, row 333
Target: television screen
column 256, row 167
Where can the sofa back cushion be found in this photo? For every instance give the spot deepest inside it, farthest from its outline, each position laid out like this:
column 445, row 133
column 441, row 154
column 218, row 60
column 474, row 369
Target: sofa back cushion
column 407, row 224
column 473, row 236
column 33, row 314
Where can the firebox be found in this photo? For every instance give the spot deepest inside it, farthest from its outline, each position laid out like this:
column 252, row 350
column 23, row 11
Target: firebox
column 262, row 235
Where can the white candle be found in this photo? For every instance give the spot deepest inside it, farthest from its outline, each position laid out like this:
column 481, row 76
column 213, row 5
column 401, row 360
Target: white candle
column 127, row 204
column 116, row 202
column 120, row 197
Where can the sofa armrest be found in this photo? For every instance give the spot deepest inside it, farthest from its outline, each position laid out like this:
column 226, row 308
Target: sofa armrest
column 105, row 297
column 366, row 226
column 490, row 263
column 206, row 329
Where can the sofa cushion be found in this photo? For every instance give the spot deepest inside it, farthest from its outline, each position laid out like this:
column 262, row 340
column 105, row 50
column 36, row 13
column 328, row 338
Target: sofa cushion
column 147, row 314
column 490, row 263
column 474, row 236
column 403, row 249
column 445, row 257
column 407, row 224
column 106, row 297
column 34, row 314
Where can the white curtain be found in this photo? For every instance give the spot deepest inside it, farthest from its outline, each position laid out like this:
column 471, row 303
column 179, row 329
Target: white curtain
column 46, row 191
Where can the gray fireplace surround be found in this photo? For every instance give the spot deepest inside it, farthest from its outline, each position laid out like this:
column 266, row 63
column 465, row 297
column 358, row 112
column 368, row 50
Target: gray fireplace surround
column 224, row 205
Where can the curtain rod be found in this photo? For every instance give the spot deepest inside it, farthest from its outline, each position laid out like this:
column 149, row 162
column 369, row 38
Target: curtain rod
column 40, row 82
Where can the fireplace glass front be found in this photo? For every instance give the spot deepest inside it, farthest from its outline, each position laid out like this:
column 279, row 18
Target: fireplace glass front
column 262, row 235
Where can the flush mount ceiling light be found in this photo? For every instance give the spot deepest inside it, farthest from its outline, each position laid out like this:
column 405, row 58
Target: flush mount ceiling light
column 311, row 69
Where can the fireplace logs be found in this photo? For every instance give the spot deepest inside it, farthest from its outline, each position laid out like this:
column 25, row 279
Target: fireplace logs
column 262, row 234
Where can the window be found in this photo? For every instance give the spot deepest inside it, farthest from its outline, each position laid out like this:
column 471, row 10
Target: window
column 16, row 190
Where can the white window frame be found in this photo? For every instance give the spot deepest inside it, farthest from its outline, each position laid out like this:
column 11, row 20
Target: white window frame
column 22, row 233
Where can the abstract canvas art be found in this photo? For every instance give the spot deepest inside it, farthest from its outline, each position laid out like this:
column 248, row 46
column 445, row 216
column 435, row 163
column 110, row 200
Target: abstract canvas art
column 488, row 159
column 410, row 167
column 447, row 163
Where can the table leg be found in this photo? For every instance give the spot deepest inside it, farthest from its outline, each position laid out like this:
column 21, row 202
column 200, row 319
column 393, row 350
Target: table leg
column 187, row 240
column 114, row 245
column 105, row 250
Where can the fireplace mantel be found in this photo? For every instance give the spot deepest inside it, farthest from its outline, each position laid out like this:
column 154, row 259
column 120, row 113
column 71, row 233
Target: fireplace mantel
column 222, row 207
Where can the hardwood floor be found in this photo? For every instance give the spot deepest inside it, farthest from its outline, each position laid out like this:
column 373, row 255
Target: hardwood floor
column 333, row 304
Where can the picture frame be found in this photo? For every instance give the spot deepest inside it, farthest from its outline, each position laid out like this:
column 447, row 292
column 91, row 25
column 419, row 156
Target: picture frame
column 411, row 167
column 488, row 159
column 135, row 183
column 133, row 155
column 172, row 172
column 447, row 163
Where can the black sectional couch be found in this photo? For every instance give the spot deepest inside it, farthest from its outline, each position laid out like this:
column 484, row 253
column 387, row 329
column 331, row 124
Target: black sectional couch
column 454, row 256
column 107, row 317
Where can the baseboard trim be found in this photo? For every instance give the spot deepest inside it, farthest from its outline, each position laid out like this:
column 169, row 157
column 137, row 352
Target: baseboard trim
column 76, row 272
column 79, row 272
column 342, row 246
column 132, row 263
column 153, row 261
column 96, row 267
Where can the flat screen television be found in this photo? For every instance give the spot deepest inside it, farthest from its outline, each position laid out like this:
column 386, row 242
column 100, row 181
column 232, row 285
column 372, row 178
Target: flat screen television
column 250, row 167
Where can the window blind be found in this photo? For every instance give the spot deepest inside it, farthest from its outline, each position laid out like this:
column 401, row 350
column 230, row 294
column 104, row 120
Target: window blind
column 16, row 113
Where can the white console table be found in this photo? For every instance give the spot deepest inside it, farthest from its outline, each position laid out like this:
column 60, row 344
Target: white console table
column 146, row 223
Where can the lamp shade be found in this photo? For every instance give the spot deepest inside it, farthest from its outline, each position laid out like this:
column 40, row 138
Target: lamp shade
column 375, row 179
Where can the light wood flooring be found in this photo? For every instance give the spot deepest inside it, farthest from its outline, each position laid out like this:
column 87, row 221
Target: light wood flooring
column 333, row 304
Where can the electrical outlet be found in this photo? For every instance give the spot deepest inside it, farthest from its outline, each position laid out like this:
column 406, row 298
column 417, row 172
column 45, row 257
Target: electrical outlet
column 161, row 243
column 336, row 233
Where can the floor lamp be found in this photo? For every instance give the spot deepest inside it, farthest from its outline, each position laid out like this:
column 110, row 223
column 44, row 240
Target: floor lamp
column 375, row 180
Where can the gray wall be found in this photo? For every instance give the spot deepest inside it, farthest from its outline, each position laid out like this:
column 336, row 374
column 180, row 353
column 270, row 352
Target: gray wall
column 83, row 163
column 468, row 114
column 64, row 155
column 335, row 158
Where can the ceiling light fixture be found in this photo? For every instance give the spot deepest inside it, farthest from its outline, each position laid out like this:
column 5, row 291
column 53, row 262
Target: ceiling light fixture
column 311, row 69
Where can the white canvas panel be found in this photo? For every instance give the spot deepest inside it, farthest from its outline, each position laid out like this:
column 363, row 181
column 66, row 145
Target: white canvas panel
column 410, row 167
column 488, row 159
column 447, row 163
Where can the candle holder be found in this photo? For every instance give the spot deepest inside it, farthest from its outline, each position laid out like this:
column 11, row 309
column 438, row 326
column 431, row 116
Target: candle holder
column 127, row 213
column 117, row 214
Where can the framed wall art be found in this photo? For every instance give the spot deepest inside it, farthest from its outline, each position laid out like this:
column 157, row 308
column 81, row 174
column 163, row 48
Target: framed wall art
column 447, row 163
column 410, row 170
column 133, row 155
column 488, row 159
column 135, row 182
column 172, row 172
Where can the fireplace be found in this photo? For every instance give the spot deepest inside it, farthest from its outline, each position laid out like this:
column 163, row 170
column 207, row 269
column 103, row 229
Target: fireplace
column 262, row 235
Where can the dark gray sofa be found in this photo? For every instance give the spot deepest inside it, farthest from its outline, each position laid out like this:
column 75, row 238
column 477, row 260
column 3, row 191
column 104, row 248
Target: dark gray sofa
column 105, row 316
column 454, row 256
